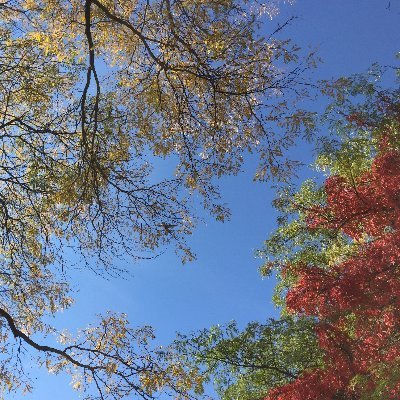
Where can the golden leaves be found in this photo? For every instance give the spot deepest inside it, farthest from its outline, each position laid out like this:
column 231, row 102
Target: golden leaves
column 81, row 128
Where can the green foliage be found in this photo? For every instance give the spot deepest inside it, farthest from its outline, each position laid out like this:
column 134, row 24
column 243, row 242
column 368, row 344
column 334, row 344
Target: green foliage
column 245, row 364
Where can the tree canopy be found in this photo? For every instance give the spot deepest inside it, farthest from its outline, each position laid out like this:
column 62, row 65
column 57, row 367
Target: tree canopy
column 91, row 93
column 244, row 364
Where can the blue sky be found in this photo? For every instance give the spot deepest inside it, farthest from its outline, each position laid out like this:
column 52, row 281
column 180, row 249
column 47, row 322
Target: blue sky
column 224, row 284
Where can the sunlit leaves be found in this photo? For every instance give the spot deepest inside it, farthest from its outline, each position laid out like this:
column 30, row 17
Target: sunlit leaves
column 247, row 363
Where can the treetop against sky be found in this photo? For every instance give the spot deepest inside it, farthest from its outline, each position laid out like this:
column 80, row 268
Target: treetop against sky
column 120, row 122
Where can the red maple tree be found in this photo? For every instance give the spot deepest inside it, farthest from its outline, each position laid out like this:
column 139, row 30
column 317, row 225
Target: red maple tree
column 356, row 302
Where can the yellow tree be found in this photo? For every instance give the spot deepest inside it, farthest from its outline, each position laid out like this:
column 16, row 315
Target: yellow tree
column 91, row 92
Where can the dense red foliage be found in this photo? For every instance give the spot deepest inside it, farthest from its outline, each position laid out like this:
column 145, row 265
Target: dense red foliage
column 356, row 302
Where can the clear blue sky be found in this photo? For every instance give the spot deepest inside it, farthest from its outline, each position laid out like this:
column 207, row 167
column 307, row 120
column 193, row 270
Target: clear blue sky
column 224, row 284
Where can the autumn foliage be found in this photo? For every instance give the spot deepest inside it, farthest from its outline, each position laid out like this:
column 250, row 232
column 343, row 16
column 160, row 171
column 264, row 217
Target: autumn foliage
column 355, row 301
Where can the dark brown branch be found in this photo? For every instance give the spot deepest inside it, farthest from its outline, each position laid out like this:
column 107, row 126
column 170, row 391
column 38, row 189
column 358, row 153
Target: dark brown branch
column 47, row 349
column 91, row 70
